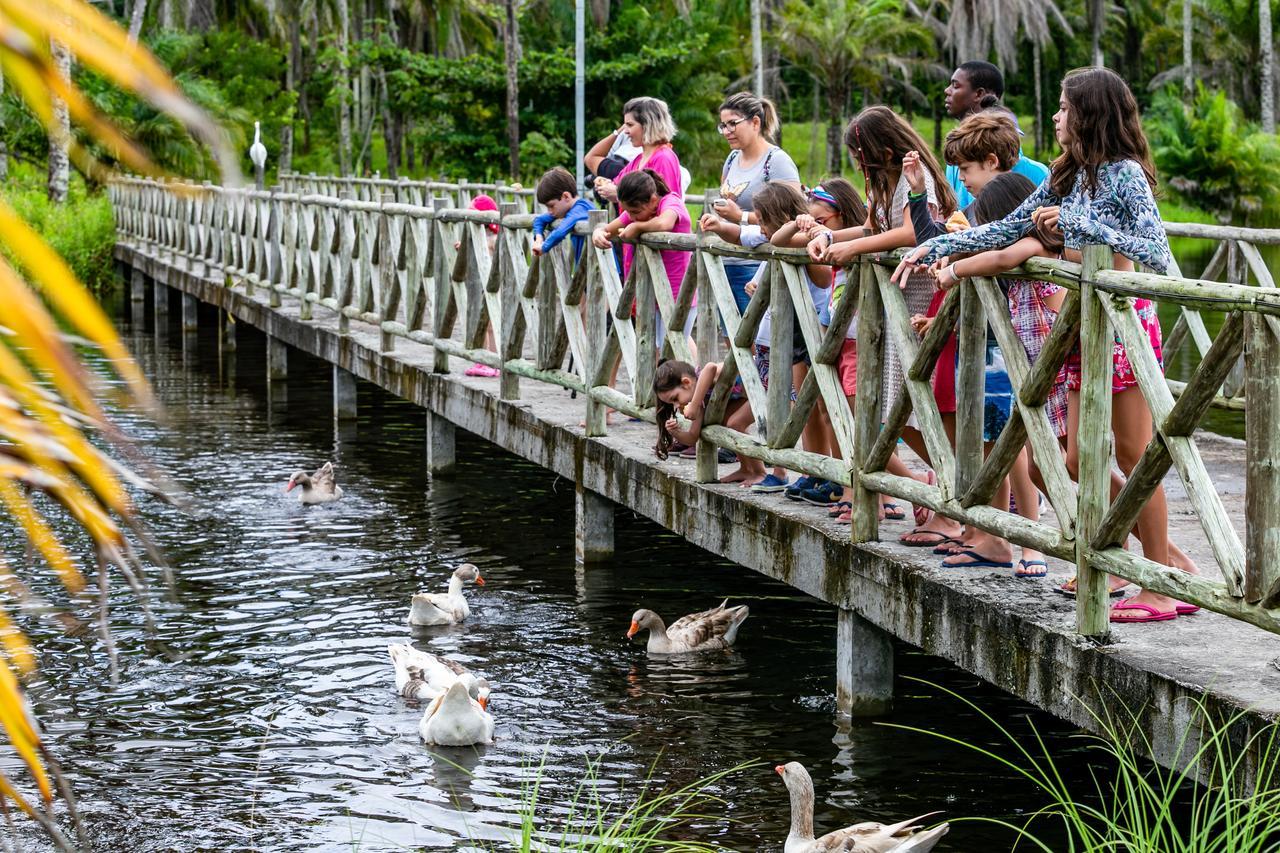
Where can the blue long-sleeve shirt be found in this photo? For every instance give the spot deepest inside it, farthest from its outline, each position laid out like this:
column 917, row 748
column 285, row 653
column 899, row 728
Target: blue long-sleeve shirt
column 578, row 213
column 1121, row 213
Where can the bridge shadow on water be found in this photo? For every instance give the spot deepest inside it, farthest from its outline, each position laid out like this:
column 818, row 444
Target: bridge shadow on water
column 261, row 711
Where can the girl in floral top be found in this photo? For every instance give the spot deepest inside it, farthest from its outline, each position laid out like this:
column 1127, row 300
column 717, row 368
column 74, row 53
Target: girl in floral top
column 1098, row 191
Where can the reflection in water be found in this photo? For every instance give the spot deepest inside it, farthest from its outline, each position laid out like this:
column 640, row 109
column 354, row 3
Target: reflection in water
column 261, row 711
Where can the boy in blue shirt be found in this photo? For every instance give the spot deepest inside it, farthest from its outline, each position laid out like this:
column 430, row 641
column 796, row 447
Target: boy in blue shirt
column 558, row 192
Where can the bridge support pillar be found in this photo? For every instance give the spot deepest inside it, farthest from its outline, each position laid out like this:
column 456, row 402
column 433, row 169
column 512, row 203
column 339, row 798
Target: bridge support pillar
column 441, row 457
column 344, row 394
column 864, row 667
column 277, row 359
column 190, row 313
column 137, row 286
column 160, row 309
column 593, row 526
column 228, row 324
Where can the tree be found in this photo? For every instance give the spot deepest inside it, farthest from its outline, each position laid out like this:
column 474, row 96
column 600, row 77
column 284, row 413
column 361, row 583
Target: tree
column 848, row 45
column 59, row 129
column 975, row 29
column 511, row 54
column 1267, row 95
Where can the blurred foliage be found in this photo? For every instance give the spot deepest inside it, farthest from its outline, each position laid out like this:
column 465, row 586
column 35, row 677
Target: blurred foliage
column 81, row 230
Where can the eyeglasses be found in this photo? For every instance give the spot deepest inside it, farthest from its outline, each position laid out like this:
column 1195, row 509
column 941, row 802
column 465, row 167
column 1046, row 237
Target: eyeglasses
column 822, row 220
column 731, row 124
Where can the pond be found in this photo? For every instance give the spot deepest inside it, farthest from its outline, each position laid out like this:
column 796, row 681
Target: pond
column 260, row 713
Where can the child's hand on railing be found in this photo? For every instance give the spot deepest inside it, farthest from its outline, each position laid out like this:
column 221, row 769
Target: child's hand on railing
column 920, row 324
column 944, row 274
column 632, row 231
column 910, row 263
column 805, row 223
column 913, row 171
column 818, row 245
column 712, row 224
column 600, row 238
column 838, row 254
column 537, row 246
column 1046, row 217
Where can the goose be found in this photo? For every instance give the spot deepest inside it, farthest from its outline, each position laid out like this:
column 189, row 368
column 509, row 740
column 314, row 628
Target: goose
column 455, row 719
column 445, row 608
column 317, row 488
column 716, row 628
column 870, row 837
column 422, row 676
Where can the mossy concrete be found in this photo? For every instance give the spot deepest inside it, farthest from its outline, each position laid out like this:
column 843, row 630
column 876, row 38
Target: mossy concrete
column 1015, row 634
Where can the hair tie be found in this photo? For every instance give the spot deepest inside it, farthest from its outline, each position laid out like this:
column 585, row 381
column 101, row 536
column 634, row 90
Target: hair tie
column 822, row 195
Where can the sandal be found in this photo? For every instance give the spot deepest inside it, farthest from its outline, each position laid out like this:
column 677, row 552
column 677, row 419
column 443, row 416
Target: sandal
column 976, row 561
column 839, row 508
column 942, row 538
column 1026, row 572
column 1152, row 615
column 923, row 513
column 1069, row 589
column 892, row 512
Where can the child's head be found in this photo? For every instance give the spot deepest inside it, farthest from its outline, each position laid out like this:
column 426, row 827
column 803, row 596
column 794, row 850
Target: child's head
column 648, row 121
column 745, row 117
column 673, row 384
column 982, row 146
column 1001, row 196
column 1097, row 122
column 557, row 191
column 878, row 138
column 835, row 204
column 775, row 205
column 639, row 193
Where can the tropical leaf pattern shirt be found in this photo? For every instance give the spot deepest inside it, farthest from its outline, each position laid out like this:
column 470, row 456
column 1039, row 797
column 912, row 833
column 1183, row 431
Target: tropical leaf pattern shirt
column 1121, row 213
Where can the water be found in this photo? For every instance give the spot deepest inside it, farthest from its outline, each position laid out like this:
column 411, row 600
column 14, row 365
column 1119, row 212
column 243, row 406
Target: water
column 260, row 712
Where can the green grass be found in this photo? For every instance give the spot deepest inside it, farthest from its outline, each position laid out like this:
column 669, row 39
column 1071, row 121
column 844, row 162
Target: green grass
column 81, row 230
column 1134, row 806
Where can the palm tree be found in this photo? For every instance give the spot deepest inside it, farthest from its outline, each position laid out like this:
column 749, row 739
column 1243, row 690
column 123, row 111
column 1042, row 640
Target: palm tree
column 977, row 28
column 49, row 397
column 848, row 45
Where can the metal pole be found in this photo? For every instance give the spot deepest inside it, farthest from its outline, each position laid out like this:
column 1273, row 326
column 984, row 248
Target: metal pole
column 579, row 88
column 757, row 49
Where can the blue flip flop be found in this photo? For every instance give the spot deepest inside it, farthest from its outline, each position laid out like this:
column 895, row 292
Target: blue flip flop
column 979, row 562
column 1032, row 575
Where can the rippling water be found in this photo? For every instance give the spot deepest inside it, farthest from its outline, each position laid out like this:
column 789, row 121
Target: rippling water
column 260, row 711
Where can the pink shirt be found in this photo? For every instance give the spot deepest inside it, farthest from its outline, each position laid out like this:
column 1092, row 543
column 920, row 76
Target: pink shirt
column 674, row 260
column 665, row 162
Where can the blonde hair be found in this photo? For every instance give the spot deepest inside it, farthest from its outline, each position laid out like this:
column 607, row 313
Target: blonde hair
column 654, row 118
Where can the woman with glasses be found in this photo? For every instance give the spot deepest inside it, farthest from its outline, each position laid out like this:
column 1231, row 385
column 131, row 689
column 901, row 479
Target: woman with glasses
column 749, row 124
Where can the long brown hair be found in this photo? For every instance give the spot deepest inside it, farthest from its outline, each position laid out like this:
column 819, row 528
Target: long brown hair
column 1104, row 126
column 848, row 206
column 879, row 138
column 667, row 377
column 777, row 204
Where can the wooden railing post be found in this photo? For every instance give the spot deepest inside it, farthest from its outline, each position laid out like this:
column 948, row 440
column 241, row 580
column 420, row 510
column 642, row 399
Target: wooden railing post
column 388, row 280
column 1097, row 343
column 597, row 330
column 781, row 345
column 1262, row 460
column 970, row 386
column 866, row 416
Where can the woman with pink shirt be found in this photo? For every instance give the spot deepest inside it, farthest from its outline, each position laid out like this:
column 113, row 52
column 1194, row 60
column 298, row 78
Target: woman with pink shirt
column 648, row 124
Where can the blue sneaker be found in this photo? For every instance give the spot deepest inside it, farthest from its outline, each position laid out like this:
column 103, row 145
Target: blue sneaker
column 793, row 491
column 769, row 485
column 823, row 494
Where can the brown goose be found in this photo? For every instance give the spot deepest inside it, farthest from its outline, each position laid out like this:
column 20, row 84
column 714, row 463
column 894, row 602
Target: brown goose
column 870, row 837
column 716, row 628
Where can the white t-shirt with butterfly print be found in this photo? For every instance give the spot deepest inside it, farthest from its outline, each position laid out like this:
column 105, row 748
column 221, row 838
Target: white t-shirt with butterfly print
column 740, row 184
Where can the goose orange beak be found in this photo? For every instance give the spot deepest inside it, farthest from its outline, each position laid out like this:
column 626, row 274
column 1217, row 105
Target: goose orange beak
column 289, row 486
column 484, row 703
column 633, row 630
column 479, row 581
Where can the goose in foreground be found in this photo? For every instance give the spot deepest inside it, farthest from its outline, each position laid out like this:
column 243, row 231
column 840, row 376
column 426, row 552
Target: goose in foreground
column 716, row 628
column 445, row 608
column 455, row 719
column 870, row 837
column 422, row 676
column 317, row 488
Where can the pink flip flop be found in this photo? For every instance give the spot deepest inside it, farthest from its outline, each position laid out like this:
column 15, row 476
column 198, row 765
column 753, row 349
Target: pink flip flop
column 1152, row 615
column 1185, row 609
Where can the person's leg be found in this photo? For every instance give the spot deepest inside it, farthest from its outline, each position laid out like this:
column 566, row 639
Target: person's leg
column 1028, row 499
column 750, row 471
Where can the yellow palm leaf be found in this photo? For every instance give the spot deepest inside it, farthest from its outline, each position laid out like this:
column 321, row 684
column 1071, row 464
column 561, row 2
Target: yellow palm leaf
column 15, row 645
column 16, row 721
column 41, row 536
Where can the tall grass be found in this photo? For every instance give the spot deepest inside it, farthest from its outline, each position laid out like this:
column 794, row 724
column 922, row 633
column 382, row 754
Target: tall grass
column 648, row 818
column 81, row 229
column 1211, row 798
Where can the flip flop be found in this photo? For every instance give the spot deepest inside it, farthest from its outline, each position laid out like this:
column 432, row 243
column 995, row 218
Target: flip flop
column 923, row 513
column 892, row 512
column 946, row 549
column 1153, row 615
column 978, row 562
column 942, row 537
column 838, row 508
column 1042, row 569
column 1185, row 609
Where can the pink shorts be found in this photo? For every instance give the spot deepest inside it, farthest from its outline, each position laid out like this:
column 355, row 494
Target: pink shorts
column 848, row 367
column 1122, row 376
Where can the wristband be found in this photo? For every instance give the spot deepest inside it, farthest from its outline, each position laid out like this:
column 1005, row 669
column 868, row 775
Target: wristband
column 746, row 219
column 915, row 196
column 830, row 235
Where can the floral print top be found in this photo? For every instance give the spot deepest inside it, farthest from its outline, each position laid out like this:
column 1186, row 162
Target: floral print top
column 1121, row 213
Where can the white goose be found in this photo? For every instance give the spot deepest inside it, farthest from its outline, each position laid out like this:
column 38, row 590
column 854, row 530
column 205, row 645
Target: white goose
column 445, row 608
column 318, row 488
column 716, row 628
column 870, row 837
column 422, row 676
column 455, row 719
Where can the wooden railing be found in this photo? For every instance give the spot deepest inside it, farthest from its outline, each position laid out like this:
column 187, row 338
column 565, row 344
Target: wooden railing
column 394, row 265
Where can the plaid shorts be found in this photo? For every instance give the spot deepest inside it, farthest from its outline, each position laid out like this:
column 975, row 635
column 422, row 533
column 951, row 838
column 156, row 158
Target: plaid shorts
column 761, row 359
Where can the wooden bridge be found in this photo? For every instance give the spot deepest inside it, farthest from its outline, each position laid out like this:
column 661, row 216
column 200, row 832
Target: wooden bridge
column 392, row 282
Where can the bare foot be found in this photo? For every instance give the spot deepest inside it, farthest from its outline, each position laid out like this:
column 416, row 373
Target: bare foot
column 738, row 476
column 751, row 480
